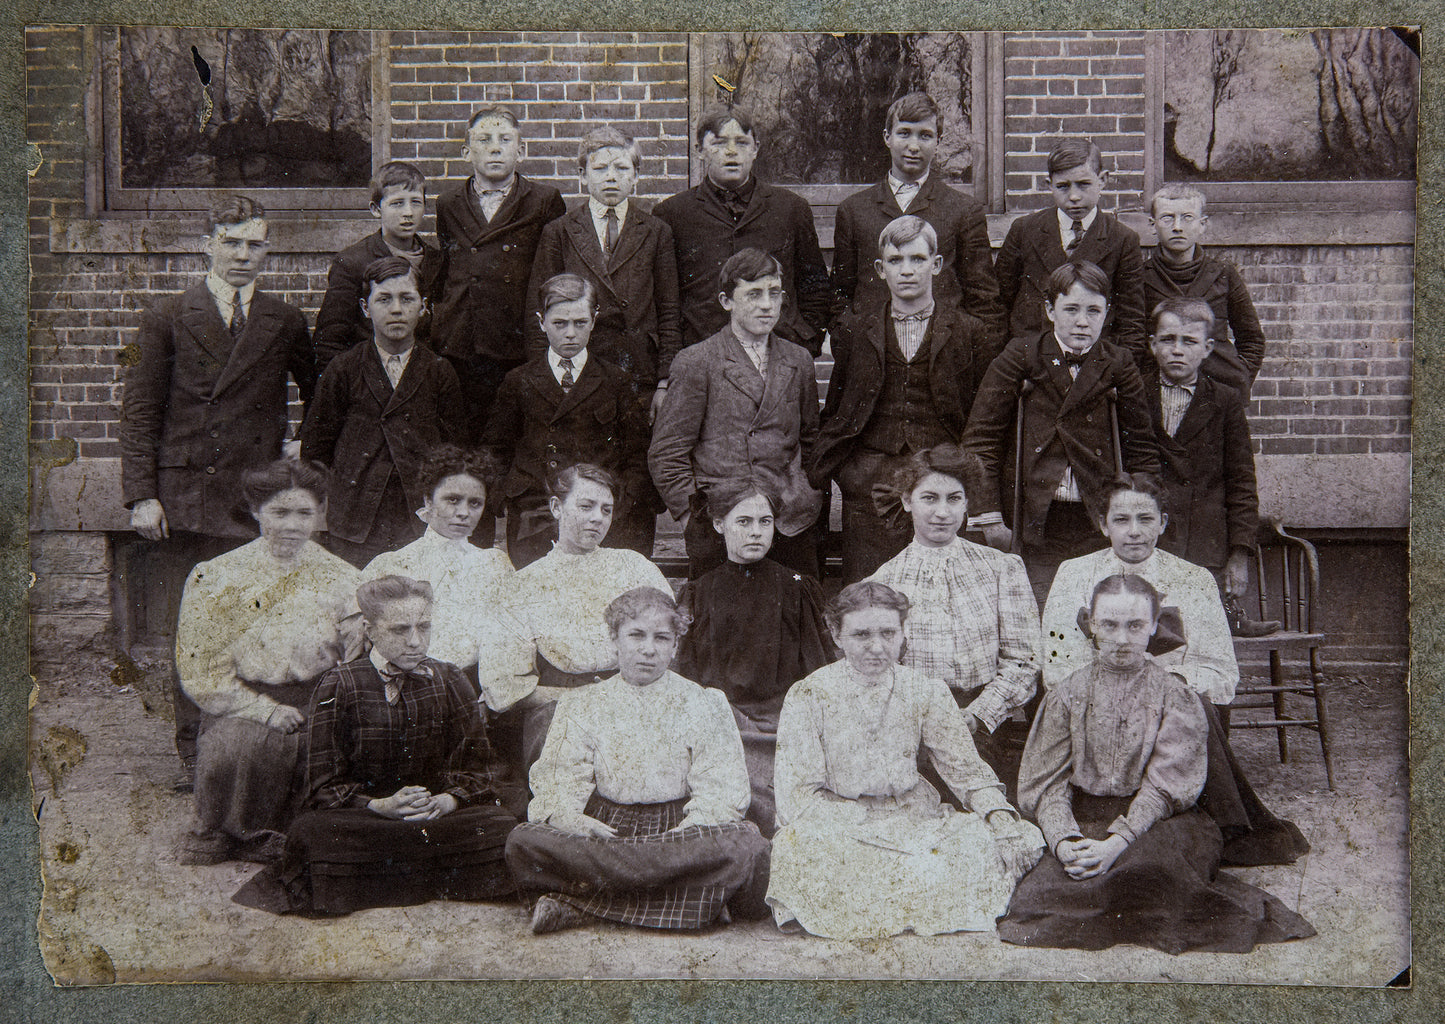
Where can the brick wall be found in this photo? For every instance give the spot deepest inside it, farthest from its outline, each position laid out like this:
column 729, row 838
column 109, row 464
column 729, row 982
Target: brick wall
column 1336, row 384
column 1076, row 84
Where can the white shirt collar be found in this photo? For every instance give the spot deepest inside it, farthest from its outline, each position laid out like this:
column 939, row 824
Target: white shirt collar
column 1066, row 223
column 435, row 540
column 895, row 182
column 224, row 293
column 599, row 212
column 385, row 355
column 380, row 663
column 555, row 361
column 505, row 188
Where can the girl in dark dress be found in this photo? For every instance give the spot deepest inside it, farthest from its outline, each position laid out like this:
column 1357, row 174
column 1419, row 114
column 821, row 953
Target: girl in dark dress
column 405, row 792
column 757, row 628
column 1114, row 765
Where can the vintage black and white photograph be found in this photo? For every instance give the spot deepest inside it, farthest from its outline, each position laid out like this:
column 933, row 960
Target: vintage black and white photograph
column 721, row 505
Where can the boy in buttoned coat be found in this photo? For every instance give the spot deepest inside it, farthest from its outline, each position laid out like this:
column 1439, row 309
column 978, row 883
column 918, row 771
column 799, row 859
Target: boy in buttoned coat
column 398, row 201
column 205, row 400
column 379, row 408
column 628, row 256
column 1204, row 444
column 1073, row 230
column 904, row 377
column 540, row 425
column 742, row 405
column 1061, row 382
column 488, row 226
column 965, row 278
column 731, row 210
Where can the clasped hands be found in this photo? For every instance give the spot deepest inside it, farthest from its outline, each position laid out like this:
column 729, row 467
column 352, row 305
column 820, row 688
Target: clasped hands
column 1086, row 858
column 413, row 803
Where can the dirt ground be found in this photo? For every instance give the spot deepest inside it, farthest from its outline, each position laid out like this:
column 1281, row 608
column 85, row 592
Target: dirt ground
column 119, row 908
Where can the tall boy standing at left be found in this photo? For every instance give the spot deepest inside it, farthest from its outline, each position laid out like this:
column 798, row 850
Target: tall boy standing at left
column 488, row 226
column 205, row 401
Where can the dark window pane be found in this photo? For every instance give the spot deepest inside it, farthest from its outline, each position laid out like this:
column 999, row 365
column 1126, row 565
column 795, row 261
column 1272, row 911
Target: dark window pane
column 280, row 109
column 1291, row 105
column 820, row 100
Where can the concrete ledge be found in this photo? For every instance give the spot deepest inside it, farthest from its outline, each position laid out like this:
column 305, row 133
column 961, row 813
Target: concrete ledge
column 1340, row 491
column 318, row 232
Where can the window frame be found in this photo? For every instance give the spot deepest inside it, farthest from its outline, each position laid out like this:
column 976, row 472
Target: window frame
column 106, row 197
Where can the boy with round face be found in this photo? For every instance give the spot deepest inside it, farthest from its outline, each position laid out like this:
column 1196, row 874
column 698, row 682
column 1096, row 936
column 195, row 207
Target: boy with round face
column 903, row 380
column 1179, row 268
column 743, row 404
column 380, row 407
column 1064, row 420
column 1208, row 455
column 205, row 401
column 965, row 277
column 398, row 204
column 731, row 210
column 1074, row 230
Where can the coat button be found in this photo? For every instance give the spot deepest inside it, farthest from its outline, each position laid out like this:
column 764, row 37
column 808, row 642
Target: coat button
column 1098, row 451
column 507, row 247
column 1039, row 449
column 215, row 433
column 210, row 470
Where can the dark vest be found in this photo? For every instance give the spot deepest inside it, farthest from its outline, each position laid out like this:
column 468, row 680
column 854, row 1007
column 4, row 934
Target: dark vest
column 904, row 418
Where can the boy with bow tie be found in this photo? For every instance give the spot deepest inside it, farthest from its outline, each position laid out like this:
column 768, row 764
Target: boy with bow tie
column 1044, row 412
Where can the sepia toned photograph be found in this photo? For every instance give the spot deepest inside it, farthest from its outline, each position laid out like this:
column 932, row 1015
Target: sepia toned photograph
column 722, row 505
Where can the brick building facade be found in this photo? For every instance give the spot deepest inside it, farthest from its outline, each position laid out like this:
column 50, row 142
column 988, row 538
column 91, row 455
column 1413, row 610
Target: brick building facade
column 1331, row 273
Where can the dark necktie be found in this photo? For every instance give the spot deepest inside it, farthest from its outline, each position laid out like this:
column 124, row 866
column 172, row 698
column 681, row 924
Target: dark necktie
column 610, row 242
column 1075, row 358
column 1078, row 236
column 238, row 315
column 567, row 379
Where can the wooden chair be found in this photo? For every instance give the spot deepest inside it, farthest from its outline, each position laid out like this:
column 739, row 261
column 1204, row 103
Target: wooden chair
column 1288, row 575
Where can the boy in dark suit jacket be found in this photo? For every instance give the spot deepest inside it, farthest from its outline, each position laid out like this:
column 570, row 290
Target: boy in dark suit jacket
column 966, row 279
column 628, row 256
column 1205, row 446
column 1062, row 383
column 1178, row 267
column 564, row 407
column 904, row 376
column 398, row 200
column 205, row 401
column 731, row 211
column 488, row 227
column 379, row 409
column 1074, row 230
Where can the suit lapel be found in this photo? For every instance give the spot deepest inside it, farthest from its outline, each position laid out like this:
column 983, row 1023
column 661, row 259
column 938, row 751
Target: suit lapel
column 739, row 370
column 1086, row 384
column 374, row 374
column 410, row 379
column 633, row 234
column 548, row 391
column 757, row 205
column 1052, row 356
column 587, row 382
column 1200, row 412
column 1047, row 242
column 262, row 326
column 584, row 239
column 1094, row 243
column 203, row 321
column 887, row 204
column 778, row 382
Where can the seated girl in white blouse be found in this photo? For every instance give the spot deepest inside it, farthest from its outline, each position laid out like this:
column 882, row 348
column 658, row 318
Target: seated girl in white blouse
column 639, row 794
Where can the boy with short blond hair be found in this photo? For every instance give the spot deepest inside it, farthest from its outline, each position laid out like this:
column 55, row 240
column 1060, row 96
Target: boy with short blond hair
column 398, row 201
column 488, row 226
column 1073, row 230
column 1178, row 267
column 966, row 278
column 628, row 256
column 904, row 377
